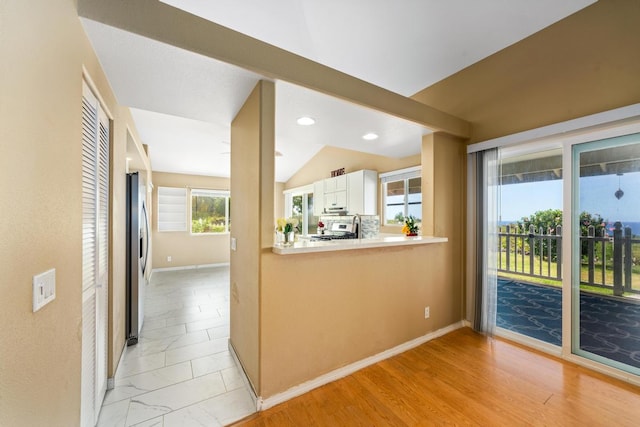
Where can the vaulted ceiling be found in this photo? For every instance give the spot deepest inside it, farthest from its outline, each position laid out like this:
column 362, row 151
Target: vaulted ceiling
column 183, row 102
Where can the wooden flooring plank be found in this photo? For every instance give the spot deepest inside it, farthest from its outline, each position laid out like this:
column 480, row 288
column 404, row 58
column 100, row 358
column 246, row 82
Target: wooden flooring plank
column 464, row 378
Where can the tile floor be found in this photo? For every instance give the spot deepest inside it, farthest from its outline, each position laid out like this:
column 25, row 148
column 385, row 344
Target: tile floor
column 181, row 372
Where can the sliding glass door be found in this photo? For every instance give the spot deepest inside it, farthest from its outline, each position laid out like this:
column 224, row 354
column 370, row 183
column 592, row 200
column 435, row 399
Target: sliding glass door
column 605, row 285
column 529, row 289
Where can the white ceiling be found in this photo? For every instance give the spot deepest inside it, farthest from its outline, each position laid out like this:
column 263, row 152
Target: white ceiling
column 183, row 103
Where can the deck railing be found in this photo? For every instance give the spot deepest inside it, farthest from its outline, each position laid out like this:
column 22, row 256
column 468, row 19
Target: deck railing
column 607, row 260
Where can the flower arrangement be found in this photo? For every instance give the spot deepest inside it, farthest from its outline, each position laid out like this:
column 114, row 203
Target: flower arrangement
column 286, row 225
column 285, row 230
column 410, row 228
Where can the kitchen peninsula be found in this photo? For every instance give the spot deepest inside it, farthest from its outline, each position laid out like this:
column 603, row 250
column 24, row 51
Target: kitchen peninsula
column 305, row 245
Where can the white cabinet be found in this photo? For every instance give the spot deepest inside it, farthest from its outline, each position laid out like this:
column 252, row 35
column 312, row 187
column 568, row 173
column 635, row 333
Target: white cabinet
column 318, row 198
column 362, row 191
column 337, row 199
column 336, row 183
column 335, row 193
column 355, row 191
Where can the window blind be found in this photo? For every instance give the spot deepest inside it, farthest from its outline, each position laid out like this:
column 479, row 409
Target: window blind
column 172, row 209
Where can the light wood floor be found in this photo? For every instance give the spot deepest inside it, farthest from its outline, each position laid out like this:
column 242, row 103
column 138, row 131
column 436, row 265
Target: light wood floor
column 463, row 379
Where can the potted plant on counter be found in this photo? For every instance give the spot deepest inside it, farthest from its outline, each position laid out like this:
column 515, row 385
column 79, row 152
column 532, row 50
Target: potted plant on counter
column 285, row 231
column 410, row 228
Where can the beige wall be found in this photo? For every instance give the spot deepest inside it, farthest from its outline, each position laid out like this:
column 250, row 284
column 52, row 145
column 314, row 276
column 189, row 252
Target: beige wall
column 375, row 299
column 252, row 209
column 43, row 49
column 278, row 211
column 332, row 158
column 584, row 64
column 185, row 248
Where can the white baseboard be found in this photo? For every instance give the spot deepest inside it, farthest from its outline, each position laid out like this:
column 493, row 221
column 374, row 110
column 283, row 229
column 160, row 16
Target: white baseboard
column 191, row 267
column 245, row 379
column 353, row 367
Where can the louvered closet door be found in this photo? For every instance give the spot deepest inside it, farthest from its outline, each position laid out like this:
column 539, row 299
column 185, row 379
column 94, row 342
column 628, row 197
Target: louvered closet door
column 95, row 253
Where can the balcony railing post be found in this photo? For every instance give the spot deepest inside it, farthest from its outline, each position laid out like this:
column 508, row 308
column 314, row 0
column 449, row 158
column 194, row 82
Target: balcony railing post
column 508, row 237
column 617, row 259
column 591, row 230
column 627, row 259
column 532, row 249
column 559, row 251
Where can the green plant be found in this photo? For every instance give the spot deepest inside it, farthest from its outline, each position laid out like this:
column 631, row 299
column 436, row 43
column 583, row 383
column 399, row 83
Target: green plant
column 410, row 226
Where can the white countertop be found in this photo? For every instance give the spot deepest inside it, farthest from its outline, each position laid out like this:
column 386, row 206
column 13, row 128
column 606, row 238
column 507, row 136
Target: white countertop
column 305, row 245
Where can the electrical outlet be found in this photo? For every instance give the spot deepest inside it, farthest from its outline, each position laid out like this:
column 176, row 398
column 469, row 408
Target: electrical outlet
column 169, row 258
column 426, row 312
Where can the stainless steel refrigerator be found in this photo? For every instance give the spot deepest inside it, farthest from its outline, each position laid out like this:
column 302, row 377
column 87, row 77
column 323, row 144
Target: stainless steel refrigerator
column 137, row 251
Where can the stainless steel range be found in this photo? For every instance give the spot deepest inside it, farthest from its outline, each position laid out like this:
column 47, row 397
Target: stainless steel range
column 339, row 230
column 338, row 227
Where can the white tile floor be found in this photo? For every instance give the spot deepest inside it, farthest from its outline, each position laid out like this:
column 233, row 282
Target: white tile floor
column 181, row 372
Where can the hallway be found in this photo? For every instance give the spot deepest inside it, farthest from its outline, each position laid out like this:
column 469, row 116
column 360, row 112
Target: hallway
column 181, row 372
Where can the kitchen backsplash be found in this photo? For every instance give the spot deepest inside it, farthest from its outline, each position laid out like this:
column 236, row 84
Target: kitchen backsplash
column 370, row 224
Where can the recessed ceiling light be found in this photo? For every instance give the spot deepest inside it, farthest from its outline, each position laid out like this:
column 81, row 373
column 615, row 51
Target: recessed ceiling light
column 370, row 136
column 306, row 121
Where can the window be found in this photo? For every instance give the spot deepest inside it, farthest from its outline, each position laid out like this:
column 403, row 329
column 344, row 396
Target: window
column 172, row 209
column 210, row 211
column 298, row 203
column 402, row 195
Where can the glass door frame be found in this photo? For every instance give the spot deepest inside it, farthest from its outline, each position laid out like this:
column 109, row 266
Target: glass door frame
column 581, row 136
column 603, row 125
column 571, row 285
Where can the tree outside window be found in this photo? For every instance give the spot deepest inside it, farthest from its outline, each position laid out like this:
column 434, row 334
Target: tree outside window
column 209, row 211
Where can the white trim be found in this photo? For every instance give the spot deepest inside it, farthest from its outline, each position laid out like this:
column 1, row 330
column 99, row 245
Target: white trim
column 209, row 192
column 190, row 267
column 299, row 190
column 351, row 368
column 245, row 379
column 401, row 174
column 399, row 171
column 86, row 77
column 567, row 247
column 617, row 117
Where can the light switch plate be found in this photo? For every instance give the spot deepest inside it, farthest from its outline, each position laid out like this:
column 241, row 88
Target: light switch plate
column 44, row 289
column 233, row 244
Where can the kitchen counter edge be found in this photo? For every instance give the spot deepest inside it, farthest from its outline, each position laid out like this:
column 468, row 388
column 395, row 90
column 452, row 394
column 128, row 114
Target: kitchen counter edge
column 307, row 246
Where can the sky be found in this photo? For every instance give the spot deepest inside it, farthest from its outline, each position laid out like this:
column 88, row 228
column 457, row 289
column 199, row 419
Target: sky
column 596, row 197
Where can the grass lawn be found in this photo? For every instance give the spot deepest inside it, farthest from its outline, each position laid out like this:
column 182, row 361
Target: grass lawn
column 550, row 270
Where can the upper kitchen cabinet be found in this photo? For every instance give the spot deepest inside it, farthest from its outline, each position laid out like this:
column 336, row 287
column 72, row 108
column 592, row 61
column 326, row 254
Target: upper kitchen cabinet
column 336, row 183
column 362, row 192
column 354, row 193
column 318, row 198
column 335, row 194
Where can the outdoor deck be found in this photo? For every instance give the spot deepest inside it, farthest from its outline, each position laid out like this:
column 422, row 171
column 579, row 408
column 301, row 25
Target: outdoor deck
column 609, row 325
